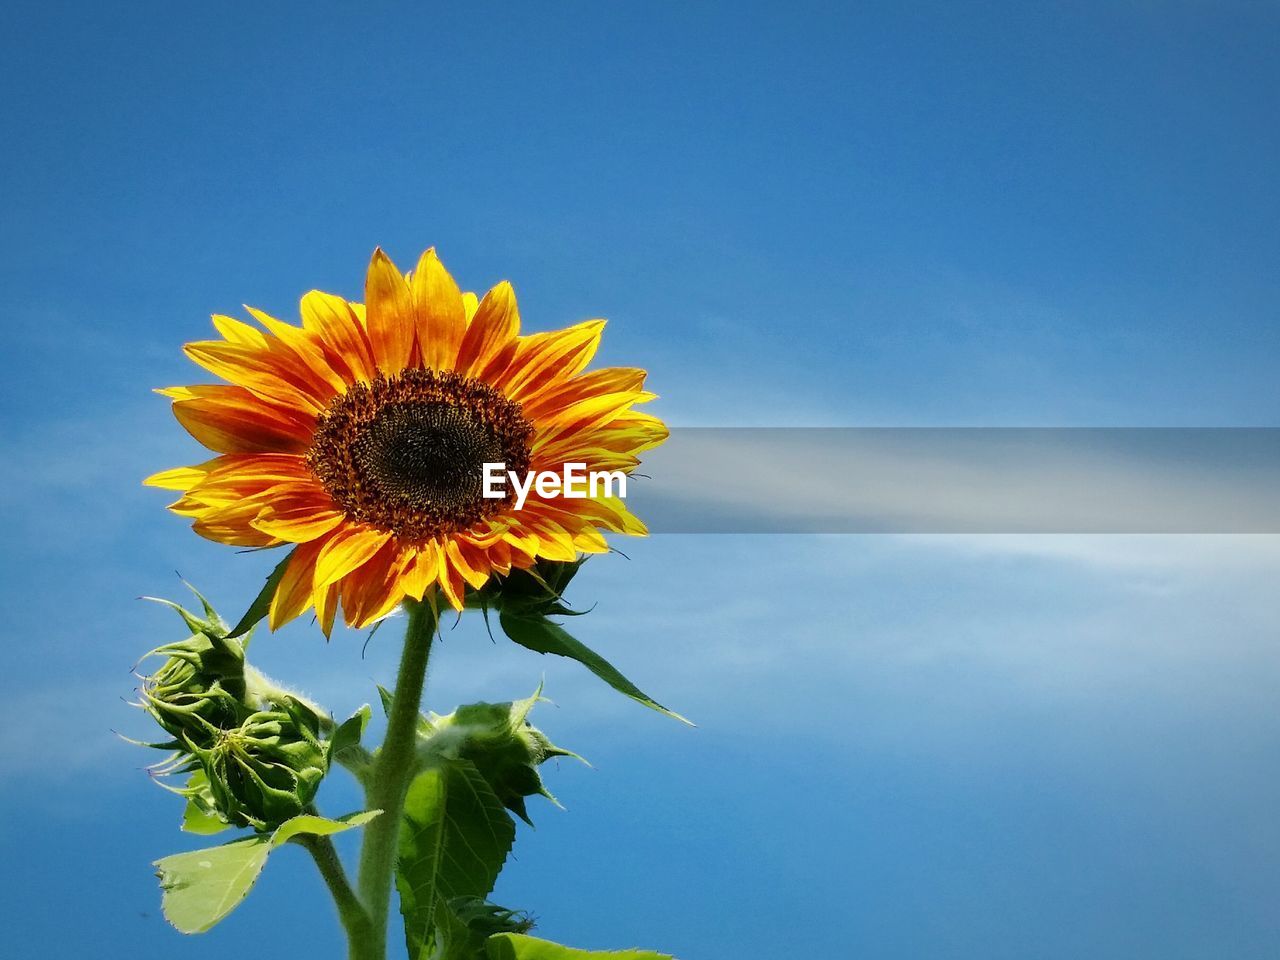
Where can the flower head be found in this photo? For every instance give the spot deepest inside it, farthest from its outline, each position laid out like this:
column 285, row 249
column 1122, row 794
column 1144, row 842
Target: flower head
column 361, row 438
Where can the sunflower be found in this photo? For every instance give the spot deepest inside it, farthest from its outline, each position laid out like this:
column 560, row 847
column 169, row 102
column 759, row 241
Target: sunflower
column 360, row 437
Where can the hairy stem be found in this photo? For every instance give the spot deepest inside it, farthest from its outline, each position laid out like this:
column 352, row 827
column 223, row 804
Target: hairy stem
column 388, row 781
column 354, row 919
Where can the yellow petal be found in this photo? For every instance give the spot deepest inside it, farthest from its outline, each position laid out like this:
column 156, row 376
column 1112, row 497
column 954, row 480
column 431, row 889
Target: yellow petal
column 237, row 331
column 326, row 603
column 440, row 312
column 179, row 478
column 469, row 304
column 389, row 318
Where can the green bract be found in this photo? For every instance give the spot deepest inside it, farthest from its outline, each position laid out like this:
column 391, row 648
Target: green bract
column 526, row 600
column 199, row 689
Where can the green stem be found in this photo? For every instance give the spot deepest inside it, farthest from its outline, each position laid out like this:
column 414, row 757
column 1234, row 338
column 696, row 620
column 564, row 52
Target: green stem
column 354, row 919
column 388, row 782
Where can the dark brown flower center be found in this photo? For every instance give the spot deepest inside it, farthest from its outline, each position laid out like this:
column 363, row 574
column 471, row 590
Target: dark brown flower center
column 407, row 453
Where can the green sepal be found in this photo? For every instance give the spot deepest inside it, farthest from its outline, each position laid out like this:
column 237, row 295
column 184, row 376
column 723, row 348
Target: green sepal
column 537, row 633
column 262, row 602
column 385, row 697
column 485, row 919
column 210, row 624
column 519, row 946
column 526, row 599
column 538, row 590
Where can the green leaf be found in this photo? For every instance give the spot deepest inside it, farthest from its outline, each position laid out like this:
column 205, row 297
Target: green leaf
column 455, row 837
column 202, row 887
column 262, row 603
column 542, row 635
column 319, row 826
column 518, row 946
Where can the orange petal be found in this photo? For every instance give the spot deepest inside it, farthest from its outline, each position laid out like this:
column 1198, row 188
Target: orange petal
column 546, row 359
column 451, row 583
column 596, row 383
column 246, row 473
column 389, row 318
column 492, row 331
column 233, row 534
column 269, row 375
column 298, row 523
column 421, row 571
column 471, row 571
column 293, row 593
column 334, row 321
column 309, row 349
column 346, row 551
column 233, row 426
column 440, row 311
column 585, row 416
column 630, row 432
column 374, row 590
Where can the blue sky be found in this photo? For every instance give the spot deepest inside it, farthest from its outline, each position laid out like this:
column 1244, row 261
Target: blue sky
column 899, row 214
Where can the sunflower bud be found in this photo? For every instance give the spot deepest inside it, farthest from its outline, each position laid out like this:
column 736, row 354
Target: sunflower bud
column 503, row 745
column 254, row 750
column 267, row 769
